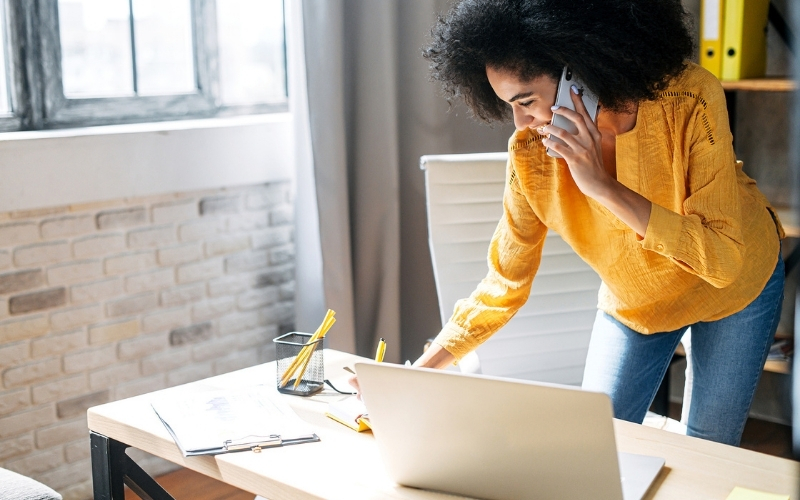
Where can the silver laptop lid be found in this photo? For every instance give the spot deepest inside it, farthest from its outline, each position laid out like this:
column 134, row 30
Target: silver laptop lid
column 491, row 438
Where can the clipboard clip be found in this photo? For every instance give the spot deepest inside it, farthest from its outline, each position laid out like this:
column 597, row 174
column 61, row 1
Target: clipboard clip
column 255, row 445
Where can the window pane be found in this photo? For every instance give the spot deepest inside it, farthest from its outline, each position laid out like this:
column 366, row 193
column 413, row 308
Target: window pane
column 164, row 51
column 252, row 63
column 5, row 105
column 95, row 48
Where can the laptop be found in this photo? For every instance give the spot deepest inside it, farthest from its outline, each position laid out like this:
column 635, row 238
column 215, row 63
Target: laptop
column 495, row 438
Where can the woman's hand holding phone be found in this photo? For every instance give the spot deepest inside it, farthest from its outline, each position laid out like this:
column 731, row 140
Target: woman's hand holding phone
column 584, row 156
column 581, row 151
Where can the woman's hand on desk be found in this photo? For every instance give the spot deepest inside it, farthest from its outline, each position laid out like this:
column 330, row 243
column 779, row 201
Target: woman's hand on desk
column 435, row 357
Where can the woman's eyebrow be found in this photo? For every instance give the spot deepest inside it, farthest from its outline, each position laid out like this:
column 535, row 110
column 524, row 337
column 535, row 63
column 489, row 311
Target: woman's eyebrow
column 521, row 95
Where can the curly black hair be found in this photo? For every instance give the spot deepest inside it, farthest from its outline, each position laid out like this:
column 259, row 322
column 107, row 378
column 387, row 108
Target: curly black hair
column 626, row 51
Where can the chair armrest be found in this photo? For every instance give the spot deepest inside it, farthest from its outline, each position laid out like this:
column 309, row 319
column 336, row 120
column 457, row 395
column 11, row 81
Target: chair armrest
column 15, row 486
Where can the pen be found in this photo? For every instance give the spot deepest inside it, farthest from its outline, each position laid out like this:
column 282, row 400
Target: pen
column 381, row 350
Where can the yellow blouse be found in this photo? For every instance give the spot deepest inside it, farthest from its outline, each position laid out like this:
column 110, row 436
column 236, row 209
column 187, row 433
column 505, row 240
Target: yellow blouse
column 711, row 244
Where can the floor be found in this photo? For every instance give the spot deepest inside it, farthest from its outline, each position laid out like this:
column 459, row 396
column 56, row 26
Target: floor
column 761, row 436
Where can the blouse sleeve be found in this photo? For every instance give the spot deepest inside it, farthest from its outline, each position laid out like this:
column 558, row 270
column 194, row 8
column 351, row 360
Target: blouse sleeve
column 706, row 238
column 514, row 255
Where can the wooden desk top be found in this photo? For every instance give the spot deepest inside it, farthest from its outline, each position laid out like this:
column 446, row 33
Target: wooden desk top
column 347, row 465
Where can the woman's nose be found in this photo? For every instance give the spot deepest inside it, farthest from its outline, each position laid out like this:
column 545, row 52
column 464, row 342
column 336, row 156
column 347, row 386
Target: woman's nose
column 522, row 120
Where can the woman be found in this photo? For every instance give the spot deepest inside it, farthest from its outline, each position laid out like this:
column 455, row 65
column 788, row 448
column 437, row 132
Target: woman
column 650, row 195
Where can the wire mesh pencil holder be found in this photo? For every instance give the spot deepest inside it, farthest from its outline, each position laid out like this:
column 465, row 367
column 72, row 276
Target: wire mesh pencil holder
column 287, row 348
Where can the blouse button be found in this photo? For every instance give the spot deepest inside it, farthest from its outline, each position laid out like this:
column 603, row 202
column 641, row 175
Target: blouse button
column 659, row 247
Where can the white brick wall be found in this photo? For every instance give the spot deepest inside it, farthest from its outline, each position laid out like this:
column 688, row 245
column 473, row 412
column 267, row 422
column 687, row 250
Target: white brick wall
column 110, row 300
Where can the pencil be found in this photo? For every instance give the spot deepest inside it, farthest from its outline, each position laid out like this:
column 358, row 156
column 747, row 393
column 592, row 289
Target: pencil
column 310, row 353
column 381, row 350
column 309, row 347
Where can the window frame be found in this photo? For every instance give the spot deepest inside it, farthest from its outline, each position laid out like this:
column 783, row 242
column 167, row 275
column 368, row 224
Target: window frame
column 36, row 89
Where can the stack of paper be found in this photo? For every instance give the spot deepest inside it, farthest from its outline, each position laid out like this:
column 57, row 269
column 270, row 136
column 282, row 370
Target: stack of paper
column 212, row 422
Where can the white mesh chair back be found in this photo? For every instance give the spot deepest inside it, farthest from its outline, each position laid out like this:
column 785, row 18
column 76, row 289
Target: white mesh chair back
column 548, row 338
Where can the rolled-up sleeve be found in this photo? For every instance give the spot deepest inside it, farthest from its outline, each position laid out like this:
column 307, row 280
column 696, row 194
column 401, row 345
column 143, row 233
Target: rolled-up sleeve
column 705, row 239
column 514, row 256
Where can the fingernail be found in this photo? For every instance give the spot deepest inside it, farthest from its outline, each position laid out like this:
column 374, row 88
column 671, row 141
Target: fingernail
column 575, row 89
column 553, row 108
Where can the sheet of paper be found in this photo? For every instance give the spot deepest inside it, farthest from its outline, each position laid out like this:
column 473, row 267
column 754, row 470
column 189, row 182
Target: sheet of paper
column 740, row 493
column 206, row 420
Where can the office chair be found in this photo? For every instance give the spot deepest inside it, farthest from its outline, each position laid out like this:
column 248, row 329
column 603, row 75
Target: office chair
column 548, row 338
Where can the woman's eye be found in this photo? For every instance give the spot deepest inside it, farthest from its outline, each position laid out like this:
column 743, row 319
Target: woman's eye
column 526, row 103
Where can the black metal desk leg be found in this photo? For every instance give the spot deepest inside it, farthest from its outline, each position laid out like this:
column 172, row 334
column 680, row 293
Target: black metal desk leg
column 112, row 468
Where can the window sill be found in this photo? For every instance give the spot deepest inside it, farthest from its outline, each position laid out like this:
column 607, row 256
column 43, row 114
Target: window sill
column 50, row 168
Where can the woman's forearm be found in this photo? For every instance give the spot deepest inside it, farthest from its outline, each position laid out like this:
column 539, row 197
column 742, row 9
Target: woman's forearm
column 629, row 206
column 435, row 357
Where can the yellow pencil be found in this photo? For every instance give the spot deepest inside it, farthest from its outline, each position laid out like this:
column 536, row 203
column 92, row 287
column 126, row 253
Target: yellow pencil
column 310, row 353
column 381, row 350
column 308, row 348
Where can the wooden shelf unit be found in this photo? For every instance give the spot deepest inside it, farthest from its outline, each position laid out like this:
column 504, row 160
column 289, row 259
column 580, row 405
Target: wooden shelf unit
column 790, row 221
column 761, row 85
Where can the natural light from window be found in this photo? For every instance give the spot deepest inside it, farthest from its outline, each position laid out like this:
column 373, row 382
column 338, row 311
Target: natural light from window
column 251, row 51
column 96, row 57
column 164, row 50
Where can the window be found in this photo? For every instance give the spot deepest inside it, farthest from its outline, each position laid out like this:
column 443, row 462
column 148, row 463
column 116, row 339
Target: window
column 69, row 63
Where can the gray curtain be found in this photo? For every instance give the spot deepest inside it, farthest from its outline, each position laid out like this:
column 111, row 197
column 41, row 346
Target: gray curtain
column 372, row 113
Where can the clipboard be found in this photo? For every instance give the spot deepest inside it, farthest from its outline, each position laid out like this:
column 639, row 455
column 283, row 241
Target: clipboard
column 224, row 421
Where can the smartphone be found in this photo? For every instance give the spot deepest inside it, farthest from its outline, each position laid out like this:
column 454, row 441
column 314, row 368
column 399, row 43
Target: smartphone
column 564, row 98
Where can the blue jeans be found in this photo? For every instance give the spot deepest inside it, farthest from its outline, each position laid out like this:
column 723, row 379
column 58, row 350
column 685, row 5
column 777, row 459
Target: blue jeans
column 725, row 359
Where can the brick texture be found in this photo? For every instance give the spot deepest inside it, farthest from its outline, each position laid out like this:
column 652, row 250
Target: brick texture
column 13, row 401
column 15, row 234
column 179, row 254
column 128, row 217
column 23, row 328
column 98, row 246
column 37, row 301
column 219, row 205
column 18, row 423
column 14, row 353
column 131, row 262
column 31, row 372
column 19, row 445
column 63, row 432
column 152, row 237
column 5, row 259
column 109, row 300
column 190, row 334
column 175, row 212
column 78, row 406
column 75, row 272
column 67, row 226
column 20, row 281
column 95, row 292
column 113, row 331
column 58, row 344
column 76, row 317
column 43, row 253
column 59, row 389
column 132, row 305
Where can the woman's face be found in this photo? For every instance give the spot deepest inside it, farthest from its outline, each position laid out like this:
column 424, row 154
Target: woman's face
column 530, row 100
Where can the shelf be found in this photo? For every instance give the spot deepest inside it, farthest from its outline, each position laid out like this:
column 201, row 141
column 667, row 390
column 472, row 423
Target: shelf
column 790, row 221
column 770, row 366
column 762, row 85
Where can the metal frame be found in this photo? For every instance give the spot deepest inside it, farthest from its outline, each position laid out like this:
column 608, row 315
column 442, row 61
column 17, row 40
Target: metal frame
column 37, row 94
column 112, row 468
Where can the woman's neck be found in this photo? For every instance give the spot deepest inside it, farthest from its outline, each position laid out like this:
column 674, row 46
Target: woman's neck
column 617, row 122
